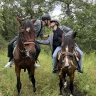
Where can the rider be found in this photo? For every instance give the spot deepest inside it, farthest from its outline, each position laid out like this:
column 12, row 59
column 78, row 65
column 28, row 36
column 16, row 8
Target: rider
column 39, row 28
column 55, row 42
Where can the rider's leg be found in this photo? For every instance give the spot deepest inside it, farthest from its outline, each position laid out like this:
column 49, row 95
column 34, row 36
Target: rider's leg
column 37, row 54
column 55, row 67
column 80, row 61
column 10, row 52
column 37, row 50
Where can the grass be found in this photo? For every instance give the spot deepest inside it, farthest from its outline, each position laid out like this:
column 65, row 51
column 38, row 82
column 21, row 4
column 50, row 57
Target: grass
column 46, row 82
column 87, row 81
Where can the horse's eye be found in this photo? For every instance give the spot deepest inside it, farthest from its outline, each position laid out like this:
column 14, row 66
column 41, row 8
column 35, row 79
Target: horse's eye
column 26, row 44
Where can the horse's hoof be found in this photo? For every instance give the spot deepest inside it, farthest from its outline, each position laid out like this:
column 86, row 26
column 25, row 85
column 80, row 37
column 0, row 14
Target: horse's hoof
column 18, row 94
column 34, row 90
column 34, row 93
column 71, row 95
column 60, row 94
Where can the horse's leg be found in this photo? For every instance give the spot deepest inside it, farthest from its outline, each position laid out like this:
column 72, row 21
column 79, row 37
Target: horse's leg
column 17, row 70
column 60, row 84
column 29, row 74
column 32, row 78
column 71, row 84
column 65, row 81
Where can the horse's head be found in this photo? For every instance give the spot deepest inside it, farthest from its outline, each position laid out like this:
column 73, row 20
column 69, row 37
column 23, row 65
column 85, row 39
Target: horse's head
column 26, row 38
column 67, row 52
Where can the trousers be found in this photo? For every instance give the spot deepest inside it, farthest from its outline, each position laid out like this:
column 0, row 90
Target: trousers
column 10, row 48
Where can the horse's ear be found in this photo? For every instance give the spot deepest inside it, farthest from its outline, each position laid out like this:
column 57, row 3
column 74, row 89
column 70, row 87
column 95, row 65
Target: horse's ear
column 19, row 19
column 74, row 34
column 62, row 40
column 33, row 21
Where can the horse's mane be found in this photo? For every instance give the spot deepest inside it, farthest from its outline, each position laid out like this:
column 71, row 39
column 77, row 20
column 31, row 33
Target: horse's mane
column 26, row 32
column 68, row 40
column 28, row 23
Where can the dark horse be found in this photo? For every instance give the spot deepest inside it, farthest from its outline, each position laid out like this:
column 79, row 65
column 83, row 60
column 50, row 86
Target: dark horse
column 24, row 54
column 67, row 62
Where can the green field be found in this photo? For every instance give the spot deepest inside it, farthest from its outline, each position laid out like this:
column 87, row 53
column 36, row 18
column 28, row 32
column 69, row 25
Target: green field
column 46, row 82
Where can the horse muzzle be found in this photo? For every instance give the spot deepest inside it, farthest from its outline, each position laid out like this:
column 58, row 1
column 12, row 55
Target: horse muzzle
column 67, row 64
column 31, row 54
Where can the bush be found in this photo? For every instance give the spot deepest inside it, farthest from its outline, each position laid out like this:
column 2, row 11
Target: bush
column 3, row 43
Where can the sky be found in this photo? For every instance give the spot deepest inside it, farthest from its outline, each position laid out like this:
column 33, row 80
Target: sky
column 56, row 12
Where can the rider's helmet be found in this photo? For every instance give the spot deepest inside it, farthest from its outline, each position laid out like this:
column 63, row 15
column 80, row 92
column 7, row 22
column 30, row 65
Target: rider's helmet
column 56, row 22
column 45, row 17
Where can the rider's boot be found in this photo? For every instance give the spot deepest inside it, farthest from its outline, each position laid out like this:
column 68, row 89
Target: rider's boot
column 36, row 65
column 9, row 64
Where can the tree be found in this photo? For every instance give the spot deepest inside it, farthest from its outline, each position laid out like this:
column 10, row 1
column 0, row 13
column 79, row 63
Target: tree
column 81, row 18
column 1, row 21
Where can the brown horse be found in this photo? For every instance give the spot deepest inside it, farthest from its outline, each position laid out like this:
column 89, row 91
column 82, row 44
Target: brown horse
column 67, row 62
column 24, row 54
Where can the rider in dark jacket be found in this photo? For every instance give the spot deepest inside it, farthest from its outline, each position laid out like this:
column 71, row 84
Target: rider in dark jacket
column 54, row 40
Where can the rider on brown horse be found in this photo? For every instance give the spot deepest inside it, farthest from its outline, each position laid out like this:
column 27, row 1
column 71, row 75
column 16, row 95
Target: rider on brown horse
column 55, row 42
column 39, row 28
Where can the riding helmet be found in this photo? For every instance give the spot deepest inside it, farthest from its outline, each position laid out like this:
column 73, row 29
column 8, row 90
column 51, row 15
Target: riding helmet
column 45, row 17
column 56, row 21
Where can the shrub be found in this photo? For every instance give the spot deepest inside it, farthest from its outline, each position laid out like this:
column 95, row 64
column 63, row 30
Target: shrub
column 3, row 43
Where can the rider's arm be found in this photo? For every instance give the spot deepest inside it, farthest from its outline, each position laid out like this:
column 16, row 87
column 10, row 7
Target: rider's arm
column 66, row 30
column 44, row 42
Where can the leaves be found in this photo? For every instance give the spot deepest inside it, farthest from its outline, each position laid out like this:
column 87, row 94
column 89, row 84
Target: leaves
column 76, row 14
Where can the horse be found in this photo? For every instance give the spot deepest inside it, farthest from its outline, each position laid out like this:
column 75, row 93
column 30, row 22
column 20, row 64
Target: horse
column 24, row 53
column 67, row 62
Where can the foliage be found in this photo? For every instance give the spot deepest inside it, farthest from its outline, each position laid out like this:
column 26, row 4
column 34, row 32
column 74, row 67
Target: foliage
column 1, row 21
column 3, row 43
column 22, row 8
column 86, row 82
column 82, row 20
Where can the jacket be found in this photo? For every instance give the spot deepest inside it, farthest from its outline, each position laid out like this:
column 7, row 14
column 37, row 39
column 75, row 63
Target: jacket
column 38, row 28
column 49, row 41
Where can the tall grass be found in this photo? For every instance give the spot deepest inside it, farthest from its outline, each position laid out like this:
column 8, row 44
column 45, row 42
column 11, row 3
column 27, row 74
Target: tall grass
column 46, row 82
column 87, row 81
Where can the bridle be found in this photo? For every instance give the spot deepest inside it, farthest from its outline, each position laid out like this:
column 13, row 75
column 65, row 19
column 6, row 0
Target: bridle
column 62, row 62
column 63, row 55
column 24, row 50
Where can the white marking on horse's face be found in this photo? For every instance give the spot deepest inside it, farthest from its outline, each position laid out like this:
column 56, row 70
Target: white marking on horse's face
column 66, row 58
column 67, row 49
column 28, row 29
column 27, row 53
